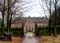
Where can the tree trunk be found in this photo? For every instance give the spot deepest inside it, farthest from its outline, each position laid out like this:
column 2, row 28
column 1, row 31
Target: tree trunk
column 49, row 25
column 3, row 12
column 8, row 24
column 55, row 31
column 2, row 25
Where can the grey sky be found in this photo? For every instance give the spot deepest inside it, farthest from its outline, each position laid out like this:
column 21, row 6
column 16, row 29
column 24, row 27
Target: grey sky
column 31, row 8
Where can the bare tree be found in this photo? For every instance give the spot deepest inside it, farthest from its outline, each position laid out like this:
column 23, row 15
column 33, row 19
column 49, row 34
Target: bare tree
column 4, row 7
column 48, row 8
column 50, row 5
column 55, row 6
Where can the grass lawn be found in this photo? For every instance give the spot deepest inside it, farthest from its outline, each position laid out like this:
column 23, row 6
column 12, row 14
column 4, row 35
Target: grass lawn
column 50, row 39
column 4, row 42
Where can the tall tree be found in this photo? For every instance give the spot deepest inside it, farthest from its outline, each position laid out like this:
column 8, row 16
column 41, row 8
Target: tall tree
column 4, row 9
column 47, row 8
column 55, row 19
column 55, row 6
column 51, row 5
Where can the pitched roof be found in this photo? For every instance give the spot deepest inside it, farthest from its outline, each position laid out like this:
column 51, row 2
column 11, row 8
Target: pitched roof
column 34, row 20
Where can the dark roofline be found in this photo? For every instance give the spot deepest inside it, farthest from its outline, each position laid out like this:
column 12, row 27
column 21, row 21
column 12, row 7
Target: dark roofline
column 34, row 19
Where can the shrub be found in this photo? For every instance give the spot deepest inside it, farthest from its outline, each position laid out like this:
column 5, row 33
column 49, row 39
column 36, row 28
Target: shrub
column 13, row 31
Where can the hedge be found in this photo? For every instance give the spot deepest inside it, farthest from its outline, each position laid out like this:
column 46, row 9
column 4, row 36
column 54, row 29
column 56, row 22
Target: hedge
column 13, row 31
column 45, row 31
column 39, row 31
column 42, row 31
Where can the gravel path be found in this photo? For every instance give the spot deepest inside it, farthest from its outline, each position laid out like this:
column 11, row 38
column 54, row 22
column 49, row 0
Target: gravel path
column 30, row 40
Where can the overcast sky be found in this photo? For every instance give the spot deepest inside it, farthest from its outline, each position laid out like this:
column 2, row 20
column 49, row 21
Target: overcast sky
column 31, row 8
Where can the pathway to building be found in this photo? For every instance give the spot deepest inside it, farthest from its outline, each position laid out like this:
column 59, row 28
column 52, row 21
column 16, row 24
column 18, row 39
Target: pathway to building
column 30, row 38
